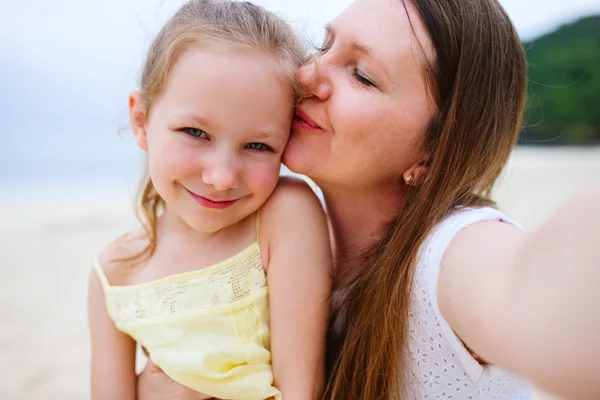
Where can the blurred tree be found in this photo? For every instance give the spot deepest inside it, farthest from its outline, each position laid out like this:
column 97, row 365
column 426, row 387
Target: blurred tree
column 564, row 86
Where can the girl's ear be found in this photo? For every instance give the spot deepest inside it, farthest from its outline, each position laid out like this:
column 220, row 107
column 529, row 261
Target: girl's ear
column 137, row 119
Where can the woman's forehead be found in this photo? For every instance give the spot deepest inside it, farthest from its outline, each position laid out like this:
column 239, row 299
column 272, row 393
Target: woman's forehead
column 392, row 29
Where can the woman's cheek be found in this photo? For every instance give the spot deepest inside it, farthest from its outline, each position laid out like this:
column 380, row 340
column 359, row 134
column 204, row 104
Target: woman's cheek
column 356, row 112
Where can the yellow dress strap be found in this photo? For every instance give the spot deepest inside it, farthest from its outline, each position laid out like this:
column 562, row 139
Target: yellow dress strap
column 101, row 274
column 257, row 217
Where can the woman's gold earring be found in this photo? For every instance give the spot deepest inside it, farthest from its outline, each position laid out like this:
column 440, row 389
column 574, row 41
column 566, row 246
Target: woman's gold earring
column 409, row 180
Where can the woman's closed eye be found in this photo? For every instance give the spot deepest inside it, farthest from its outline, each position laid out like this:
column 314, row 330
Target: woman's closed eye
column 356, row 74
column 194, row 132
column 363, row 80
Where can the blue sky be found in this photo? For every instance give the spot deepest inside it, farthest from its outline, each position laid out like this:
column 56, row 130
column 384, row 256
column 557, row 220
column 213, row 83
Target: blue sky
column 67, row 66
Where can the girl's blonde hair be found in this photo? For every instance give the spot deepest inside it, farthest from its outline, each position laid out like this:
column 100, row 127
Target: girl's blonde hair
column 202, row 23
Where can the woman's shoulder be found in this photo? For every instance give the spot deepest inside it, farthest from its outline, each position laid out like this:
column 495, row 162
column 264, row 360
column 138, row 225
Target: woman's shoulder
column 437, row 241
column 436, row 244
column 432, row 336
column 462, row 217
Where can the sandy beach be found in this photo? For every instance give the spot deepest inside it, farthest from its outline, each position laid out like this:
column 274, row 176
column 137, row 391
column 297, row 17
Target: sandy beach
column 47, row 248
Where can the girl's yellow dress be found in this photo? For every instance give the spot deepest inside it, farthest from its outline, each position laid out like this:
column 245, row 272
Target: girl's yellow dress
column 207, row 329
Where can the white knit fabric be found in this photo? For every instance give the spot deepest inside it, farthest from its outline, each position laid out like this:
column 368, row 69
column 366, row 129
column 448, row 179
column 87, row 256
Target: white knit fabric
column 440, row 366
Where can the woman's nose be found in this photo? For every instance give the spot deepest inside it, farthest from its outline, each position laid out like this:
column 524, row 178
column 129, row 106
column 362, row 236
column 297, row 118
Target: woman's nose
column 313, row 80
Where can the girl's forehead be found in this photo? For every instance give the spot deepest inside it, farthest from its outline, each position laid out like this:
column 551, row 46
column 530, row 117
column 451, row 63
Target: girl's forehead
column 228, row 92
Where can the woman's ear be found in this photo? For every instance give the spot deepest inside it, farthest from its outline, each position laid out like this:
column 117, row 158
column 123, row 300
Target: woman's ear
column 417, row 173
column 137, row 119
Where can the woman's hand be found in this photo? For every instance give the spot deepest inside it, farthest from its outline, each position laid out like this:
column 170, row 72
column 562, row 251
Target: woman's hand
column 154, row 384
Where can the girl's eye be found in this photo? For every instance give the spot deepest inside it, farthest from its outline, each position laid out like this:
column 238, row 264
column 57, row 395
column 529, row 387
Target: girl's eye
column 362, row 80
column 197, row 133
column 258, row 146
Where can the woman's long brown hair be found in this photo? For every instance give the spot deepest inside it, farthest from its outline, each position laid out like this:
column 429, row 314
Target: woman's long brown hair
column 478, row 79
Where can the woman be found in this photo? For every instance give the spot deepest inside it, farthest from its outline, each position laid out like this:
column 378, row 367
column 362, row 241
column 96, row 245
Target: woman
column 412, row 110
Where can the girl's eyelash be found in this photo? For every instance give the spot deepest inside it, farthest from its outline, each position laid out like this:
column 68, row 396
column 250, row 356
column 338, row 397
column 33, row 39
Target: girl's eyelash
column 200, row 134
column 195, row 132
column 259, row 147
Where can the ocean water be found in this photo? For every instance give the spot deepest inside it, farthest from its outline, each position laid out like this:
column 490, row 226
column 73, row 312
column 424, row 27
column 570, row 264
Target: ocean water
column 48, row 166
column 64, row 167
column 77, row 165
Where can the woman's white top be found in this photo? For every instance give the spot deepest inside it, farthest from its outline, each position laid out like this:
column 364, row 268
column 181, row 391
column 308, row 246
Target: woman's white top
column 440, row 367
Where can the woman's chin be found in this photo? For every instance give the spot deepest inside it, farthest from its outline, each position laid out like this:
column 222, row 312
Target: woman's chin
column 295, row 164
column 303, row 156
column 297, row 159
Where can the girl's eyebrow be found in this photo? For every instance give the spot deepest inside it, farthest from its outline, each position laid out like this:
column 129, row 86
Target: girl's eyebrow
column 261, row 133
column 190, row 116
column 269, row 134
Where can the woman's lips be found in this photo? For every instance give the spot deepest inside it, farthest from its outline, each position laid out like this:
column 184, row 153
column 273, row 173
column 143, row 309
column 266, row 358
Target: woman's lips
column 214, row 204
column 303, row 121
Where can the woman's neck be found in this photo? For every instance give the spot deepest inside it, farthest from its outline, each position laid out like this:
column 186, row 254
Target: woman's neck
column 358, row 217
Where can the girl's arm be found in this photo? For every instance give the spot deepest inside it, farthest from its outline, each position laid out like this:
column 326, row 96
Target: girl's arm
column 531, row 303
column 295, row 244
column 113, row 352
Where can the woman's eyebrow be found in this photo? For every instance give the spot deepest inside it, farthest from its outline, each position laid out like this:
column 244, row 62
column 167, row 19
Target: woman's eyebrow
column 355, row 46
column 329, row 31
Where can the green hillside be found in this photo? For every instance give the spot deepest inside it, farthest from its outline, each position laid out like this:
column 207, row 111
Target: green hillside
column 564, row 86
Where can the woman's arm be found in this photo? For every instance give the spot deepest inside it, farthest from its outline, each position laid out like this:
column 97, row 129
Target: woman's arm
column 298, row 262
column 154, row 384
column 113, row 352
column 531, row 303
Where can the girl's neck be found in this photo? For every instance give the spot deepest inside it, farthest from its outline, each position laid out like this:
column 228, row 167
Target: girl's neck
column 175, row 238
column 172, row 225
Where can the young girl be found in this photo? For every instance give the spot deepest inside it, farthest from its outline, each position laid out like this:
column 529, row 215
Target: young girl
column 214, row 114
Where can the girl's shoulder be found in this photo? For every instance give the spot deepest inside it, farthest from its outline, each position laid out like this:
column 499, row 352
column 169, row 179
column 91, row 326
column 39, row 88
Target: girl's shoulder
column 291, row 196
column 120, row 257
column 293, row 212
